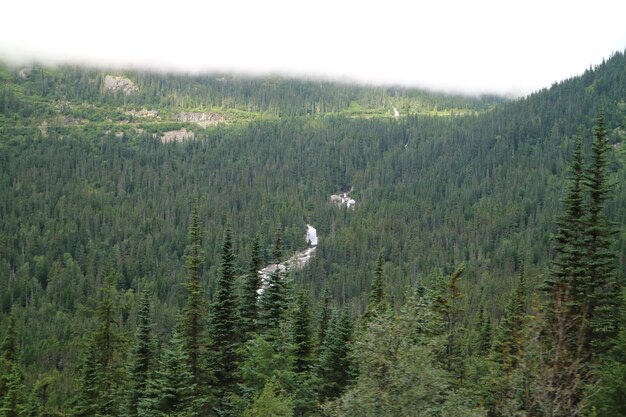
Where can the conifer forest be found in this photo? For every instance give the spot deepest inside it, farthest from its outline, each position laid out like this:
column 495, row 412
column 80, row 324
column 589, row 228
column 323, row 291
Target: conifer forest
column 216, row 245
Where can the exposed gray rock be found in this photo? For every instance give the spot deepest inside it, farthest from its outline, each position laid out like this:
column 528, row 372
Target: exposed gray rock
column 177, row 135
column 203, row 119
column 113, row 83
column 142, row 113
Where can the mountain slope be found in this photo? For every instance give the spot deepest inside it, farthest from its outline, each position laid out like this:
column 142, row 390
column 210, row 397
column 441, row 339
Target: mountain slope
column 98, row 188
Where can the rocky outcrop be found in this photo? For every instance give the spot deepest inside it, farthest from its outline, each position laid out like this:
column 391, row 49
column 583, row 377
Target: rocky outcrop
column 114, row 84
column 177, row 135
column 142, row 113
column 203, row 119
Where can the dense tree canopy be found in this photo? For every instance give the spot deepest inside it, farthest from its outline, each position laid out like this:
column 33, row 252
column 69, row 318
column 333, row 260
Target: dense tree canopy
column 129, row 265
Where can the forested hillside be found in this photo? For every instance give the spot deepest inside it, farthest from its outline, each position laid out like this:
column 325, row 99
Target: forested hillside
column 127, row 260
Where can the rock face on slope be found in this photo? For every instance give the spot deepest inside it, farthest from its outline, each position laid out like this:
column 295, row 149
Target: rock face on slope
column 113, row 83
column 203, row 119
column 142, row 113
column 177, row 135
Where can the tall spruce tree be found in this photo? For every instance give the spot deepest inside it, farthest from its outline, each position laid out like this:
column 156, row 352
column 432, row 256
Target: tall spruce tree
column 301, row 332
column 248, row 308
column 324, row 315
column 583, row 308
column 484, row 333
column 224, row 320
column 602, row 286
column 277, row 251
column 510, row 340
column 142, row 356
column 567, row 307
column 274, row 300
column 448, row 306
column 102, row 373
column 377, row 298
column 335, row 365
column 170, row 389
column 193, row 320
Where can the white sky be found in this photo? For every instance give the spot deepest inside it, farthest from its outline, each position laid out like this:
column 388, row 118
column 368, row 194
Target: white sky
column 455, row 45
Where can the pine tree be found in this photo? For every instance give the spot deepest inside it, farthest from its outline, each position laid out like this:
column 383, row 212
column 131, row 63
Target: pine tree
column 274, row 302
column 448, row 305
column 601, row 286
column 584, row 292
column 224, row 319
column 484, row 333
column 142, row 356
column 102, row 370
column 335, row 366
column 170, row 390
column 88, row 397
column 193, row 324
column 325, row 315
column 301, row 329
column 248, row 311
column 107, row 339
column 377, row 303
column 277, row 252
column 510, row 341
column 567, row 309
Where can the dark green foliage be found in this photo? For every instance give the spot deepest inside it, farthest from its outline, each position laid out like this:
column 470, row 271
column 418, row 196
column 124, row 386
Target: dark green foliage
column 224, row 338
column 301, row 332
column 12, row 389
column 510, row 340
column 399, row 373
column 170, row 390
column 193, row 320
column 248, row 301
column 142, row 357
column 610, row 398
column 102, row 370
column 277, row 251
column 89, row 392
column 8, row 354
column 274, row 301
column 584, row 290
column 602, row 287
column 9, row 347
column 378, row 303
column 94, row 185
column 324, row 315
column 484, row 331
column 447, row 304
column 335, row 367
